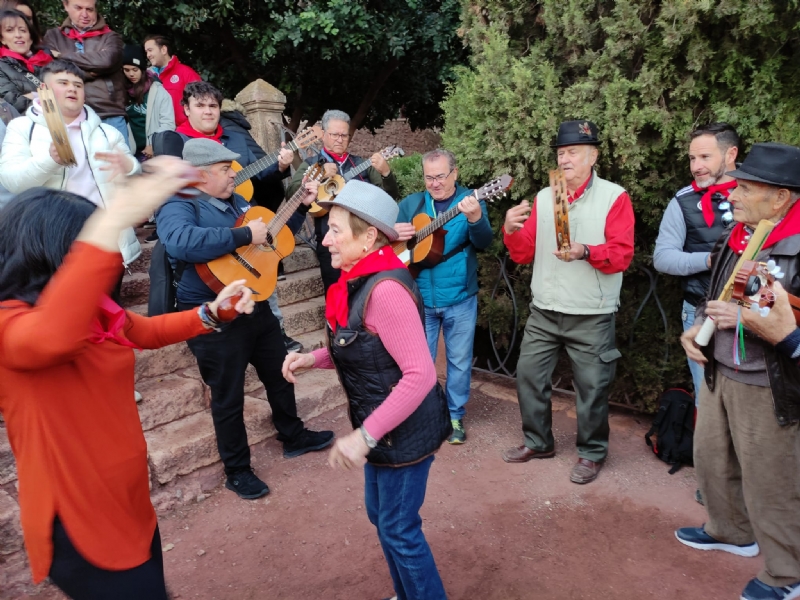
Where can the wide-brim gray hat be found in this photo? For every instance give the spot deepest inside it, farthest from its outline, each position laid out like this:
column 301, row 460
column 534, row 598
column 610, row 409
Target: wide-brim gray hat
column 771, row 163
column 370, row 203
column 201, row 152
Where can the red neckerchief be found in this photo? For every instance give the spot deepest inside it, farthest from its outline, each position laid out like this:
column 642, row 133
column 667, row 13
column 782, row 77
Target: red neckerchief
column 40, row 59
column 73, row 33
column 187, row 129
column 340, row 158
column 579, row 192
column 108, row 324
column 788, row 226
column 336, row 308
column 705, row 201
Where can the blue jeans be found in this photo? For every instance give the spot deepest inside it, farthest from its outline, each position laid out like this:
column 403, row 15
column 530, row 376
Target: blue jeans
column 458, row 322
column 121, row 125
column 696, row 368
column 393, row 497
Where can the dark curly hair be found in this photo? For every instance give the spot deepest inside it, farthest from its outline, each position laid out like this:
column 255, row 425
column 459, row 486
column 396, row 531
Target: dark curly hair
column 199, row 90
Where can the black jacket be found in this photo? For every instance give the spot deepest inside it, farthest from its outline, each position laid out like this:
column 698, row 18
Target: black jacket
column 368, row 373
column 14, row 84
column 783, row 372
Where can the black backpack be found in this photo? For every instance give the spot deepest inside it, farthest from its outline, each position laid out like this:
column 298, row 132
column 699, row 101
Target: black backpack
column 674, row 426
column 162, row 298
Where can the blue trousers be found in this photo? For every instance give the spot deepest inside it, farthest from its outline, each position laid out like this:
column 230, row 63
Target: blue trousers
column 458, row 324
column 121, row 125
column 696, row 368
column 393, row 497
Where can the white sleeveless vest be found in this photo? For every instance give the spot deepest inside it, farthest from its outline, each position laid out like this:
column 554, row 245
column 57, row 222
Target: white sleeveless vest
column 575, row 288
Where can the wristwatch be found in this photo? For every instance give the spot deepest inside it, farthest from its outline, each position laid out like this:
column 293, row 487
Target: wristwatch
column 368, row 439
column 585, row 252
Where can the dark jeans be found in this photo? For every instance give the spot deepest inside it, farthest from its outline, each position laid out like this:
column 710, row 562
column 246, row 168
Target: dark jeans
column 81, row 580
column 393, row 497
column 329, row 274
column 222, row 357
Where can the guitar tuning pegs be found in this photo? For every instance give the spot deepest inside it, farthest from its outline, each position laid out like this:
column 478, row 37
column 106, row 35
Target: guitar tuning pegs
column 770, row 265
column 755, row 307
column 764, row 311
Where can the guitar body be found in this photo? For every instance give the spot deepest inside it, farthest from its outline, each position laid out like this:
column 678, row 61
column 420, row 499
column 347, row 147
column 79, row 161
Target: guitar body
column 244, row 189
column 424, row 253
column 257, row 265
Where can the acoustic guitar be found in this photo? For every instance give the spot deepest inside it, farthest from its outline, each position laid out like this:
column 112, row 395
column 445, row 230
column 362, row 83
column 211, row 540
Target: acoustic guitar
column 244, row 187
column 426, row 248
column 333, row 186
column 752, row 287
column 257, row 264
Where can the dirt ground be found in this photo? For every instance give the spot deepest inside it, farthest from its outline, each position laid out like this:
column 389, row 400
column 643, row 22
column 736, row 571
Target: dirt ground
column 497, row 531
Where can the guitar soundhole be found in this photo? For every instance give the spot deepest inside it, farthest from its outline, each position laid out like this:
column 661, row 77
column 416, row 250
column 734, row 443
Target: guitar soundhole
column 411, row 244
column 270, row 241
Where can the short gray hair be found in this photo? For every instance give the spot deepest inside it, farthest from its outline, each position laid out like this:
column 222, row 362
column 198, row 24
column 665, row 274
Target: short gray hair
column 334, row 115
column 440, row 153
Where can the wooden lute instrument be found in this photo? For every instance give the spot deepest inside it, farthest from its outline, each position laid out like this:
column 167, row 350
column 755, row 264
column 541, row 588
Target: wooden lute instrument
column 752, row 287
column 55, row 124
column 426, row 248
column 332, row 186
column 244, row 187
column 258, row 264
column 558, row 185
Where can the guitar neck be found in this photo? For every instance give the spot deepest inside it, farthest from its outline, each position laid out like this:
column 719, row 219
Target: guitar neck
column 437, row 223
column 255, row 168
column 285, row 212
column 356, row 171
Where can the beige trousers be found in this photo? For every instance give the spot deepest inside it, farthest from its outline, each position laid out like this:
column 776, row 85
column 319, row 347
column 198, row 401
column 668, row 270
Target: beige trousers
column 748, row 469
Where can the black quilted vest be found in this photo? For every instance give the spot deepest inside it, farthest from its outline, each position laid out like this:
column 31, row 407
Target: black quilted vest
column 368, row 373
column 699, row 238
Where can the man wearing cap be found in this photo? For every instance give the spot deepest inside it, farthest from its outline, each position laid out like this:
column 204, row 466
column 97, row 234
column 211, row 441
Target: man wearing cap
column 450, row 289
column 198, row 230
column 747, row 437
column 695, row 219
column 575, row 299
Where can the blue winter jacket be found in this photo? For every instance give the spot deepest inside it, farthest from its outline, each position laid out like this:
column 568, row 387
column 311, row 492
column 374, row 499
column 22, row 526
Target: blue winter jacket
column 456, row 278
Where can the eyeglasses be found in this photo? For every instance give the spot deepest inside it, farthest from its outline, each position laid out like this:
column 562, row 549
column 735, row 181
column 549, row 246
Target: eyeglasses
column 339, row 136
column 438, row 178
column 727, row 215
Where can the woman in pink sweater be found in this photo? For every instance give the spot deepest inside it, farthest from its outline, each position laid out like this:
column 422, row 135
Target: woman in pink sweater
column 397, row 407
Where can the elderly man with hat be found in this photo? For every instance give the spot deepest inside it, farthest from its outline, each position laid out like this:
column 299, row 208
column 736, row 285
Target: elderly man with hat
column 747, row 440
column 575, row 298
column 398, row 410
column 198, row 230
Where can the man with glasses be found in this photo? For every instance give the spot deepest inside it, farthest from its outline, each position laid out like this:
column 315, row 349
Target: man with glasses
column 450, row 289
column 335, row 141
column 695, row 218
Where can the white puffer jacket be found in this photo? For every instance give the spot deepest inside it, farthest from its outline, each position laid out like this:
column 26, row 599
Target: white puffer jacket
column 25, row 161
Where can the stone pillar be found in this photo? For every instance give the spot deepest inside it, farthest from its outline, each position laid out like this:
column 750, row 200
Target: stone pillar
column 264, row 105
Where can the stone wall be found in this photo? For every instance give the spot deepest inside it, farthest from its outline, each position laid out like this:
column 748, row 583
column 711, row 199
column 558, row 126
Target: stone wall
column 396, row 132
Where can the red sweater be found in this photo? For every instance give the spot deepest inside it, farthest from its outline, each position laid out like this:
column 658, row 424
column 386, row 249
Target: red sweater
column 174, row 78
column 72, row 421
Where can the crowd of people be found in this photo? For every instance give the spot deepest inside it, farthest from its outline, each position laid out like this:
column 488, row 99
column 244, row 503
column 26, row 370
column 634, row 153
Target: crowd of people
column 143, row 127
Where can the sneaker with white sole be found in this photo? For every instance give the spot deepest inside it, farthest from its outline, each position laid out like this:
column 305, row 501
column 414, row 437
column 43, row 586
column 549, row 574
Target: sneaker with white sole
column 758, row 590
column 696, row 537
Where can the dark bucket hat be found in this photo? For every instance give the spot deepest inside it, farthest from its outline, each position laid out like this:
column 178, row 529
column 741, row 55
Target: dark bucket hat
column 771, row 163
column 572, row 133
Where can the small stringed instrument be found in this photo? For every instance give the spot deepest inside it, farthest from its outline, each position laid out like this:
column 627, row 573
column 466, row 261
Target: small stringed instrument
column 333, row 186
column 55, row 124
column 257, row 264
column 558, row 184
column 752, row 287
column 244, row 187
column 426, row 248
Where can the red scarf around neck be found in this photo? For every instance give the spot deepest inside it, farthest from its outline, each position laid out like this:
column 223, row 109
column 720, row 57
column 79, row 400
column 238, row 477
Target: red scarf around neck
column 108, row 324
column 788, row 226
column 705, row 201
column 39, row 59
column 186, row 129
column 340, row 158
column 336, row 306
column 73, row 33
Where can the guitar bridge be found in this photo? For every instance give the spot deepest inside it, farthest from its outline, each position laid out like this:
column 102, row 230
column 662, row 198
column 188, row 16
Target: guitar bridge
column 242, row 261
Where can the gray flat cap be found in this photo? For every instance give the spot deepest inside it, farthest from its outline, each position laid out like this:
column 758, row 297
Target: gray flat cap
column 202, row 152
column 370, row 203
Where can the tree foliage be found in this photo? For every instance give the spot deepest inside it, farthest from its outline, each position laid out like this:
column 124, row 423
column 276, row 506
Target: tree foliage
column 647, row 72
column 371, row 58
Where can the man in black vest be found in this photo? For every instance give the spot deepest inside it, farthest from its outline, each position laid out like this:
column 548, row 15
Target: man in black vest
column 335, row 140
column 696, row 217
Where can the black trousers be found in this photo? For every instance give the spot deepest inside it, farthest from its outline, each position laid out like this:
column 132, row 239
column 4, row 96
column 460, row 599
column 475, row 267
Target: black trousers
column 328, row 273
column 223, row 357
column 81, row 580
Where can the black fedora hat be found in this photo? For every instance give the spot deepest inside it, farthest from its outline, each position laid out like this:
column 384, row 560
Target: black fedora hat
column 572, row 133
column 772, row 163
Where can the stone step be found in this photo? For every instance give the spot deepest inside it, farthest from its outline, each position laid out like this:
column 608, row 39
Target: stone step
column 312, row 340
column 304, row 317
column 135, row 288
column 299, row 286
column 163, row 361
column 301, row 259
column 10, row 529
column 184, row 446
column 169, row 398
column 8, row 466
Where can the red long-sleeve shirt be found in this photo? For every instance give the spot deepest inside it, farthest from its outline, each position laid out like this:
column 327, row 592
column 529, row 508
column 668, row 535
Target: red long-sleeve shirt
column 612, row 257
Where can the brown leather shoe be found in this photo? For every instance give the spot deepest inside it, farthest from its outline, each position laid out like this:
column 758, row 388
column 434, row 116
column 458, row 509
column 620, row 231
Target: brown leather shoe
column 585, row 471
column 521, row 454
